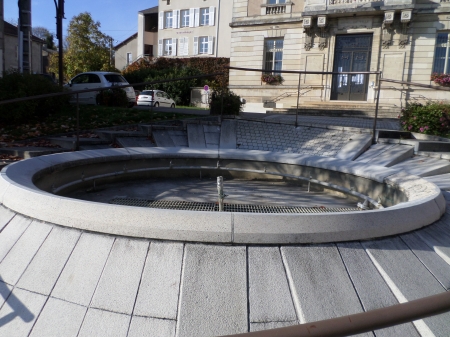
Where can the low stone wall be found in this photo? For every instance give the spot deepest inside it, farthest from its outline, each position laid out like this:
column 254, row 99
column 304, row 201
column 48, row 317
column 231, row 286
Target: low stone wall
column 423, row 202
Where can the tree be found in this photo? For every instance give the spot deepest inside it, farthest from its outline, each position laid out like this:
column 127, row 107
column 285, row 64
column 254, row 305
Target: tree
column 87, row 47
column 44, row 34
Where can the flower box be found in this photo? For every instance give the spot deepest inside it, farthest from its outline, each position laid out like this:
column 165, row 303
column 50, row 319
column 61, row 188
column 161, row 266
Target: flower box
column 441, row 79
column 272, row 79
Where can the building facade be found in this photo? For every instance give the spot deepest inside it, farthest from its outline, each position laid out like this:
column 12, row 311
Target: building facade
column 194, row 28
column 406, row 40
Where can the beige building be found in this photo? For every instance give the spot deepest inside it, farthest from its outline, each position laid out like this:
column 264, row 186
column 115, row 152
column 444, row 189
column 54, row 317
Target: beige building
column 194, row 28
column 405, row 39
column 11, row 50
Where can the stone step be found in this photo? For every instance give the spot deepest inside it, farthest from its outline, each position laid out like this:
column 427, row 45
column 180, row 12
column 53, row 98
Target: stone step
column 441, row 180
column 71, row 142
column 387, row 155
column 424, row 166
column 134, row 142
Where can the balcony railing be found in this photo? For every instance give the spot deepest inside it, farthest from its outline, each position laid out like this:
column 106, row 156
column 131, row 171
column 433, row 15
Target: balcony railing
column 344, row 2
column 278, row 9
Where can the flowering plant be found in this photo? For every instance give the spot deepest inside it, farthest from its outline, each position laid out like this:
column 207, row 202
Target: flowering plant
column 430, row 119
column 442, row 79
column 272, row 79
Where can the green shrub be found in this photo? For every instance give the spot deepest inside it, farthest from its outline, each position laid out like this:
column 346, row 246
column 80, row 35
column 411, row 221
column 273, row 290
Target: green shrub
column 232, row 104
column 16, row 85
column 430, row 119
column 113, row 97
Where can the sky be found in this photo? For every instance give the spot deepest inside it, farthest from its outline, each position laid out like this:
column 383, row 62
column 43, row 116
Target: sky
column 118, row 18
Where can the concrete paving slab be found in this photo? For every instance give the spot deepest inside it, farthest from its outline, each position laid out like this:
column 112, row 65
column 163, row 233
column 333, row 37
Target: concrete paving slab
column 437, row 236
column 441, row 180
column 356, row 145
column 396, row 263
column 228, row 134
column 5, row 290
column 162, row 138
column 59, row 318
column 120, row 279
column 374, row 151
column 101, row 323
column 203, row 310
column 5, row 217
column 393, row 155
column 80, row 276
column 367, row 281
column 134, row 142
column 145, row 326
column 46, row 266
column 436, row 265
column 196, row 136
column 270, row 325
column 12, row 233
column 310, row 266
column 424, row 166
column 18, row 258
column 160, row 285
column 269, row 295
column 20, row 312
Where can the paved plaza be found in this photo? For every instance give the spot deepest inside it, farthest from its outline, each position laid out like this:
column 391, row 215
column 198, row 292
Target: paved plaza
column 61, row 281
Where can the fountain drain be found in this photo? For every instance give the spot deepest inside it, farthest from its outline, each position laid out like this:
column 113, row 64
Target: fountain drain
column 214, row 207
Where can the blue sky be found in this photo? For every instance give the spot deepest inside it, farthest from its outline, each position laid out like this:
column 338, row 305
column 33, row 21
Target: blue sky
column 118, row 18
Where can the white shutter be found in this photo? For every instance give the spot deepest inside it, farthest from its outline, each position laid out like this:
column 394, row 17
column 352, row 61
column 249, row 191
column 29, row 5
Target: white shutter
column 191, row 17
column 160, row 47
column 211, row 15
column 195, row 45
column 186, row 46
column 176, row 18
column 210, row 44
column 197, row 17
column 161, row 20
column 181, row 46
column 174, row 47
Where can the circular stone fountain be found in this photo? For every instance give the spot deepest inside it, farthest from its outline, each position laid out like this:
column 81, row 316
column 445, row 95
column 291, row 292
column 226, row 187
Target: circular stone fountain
column 44, row 188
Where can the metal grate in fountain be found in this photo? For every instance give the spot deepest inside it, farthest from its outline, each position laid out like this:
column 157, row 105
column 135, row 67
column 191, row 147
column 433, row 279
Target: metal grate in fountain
column 213, row 207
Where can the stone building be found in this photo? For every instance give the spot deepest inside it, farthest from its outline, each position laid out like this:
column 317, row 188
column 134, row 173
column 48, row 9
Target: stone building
column 194, row 28
column 407, row 40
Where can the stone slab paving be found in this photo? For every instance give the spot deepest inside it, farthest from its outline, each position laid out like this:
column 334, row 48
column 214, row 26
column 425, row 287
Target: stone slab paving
column 374, row 151
column 196, row 136
column 393, row 155
column 288, row 139
column 442, row 180
column 113, row 286
column 134, row 142
column 5, row 216
column 424, row 166
column 163, row 138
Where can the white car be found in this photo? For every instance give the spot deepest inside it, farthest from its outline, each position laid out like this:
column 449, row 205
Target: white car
column 97, row 79
column 155, row 98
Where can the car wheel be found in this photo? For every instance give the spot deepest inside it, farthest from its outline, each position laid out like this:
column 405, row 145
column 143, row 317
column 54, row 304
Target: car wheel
column 172, row 106
column 156, row 104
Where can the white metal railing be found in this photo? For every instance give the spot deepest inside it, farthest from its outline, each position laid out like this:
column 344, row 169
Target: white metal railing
column 344, row 2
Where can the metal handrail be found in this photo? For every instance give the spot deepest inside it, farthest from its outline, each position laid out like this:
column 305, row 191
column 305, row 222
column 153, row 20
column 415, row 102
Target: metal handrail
column 363, row 322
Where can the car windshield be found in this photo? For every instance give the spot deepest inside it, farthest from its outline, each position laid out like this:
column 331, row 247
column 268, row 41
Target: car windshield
column 147, row 92
column 113, row 78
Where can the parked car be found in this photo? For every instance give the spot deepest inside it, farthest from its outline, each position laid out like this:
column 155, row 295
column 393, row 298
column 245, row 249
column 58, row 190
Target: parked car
column 155, row 98
column 97, row 79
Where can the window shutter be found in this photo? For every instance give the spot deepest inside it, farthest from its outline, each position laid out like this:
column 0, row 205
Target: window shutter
column 181, row 46
column 191, row 17
column 186, row 46
column 160, row 47
column 211, row 15
column 161, row 20
column 210, row 44
column 195, row 45
column 197, row 17
column 174, row 47
column 176, row 18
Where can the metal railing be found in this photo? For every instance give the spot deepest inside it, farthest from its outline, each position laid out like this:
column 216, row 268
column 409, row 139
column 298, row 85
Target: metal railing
column 77, row 92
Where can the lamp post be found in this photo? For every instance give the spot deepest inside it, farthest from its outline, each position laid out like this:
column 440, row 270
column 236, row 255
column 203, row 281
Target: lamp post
column 59, row 35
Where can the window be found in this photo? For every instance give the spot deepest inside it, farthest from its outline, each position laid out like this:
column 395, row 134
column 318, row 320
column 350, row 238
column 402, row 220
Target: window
column 167, row 47
column 129, row 58
column 203, row 44
column 204, row 16
column 168, row 19
column 442, row 54
column 273, row 54
column 185, row 18
column 274, row 2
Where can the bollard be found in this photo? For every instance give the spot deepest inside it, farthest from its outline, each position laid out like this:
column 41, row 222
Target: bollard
column 220, row 194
